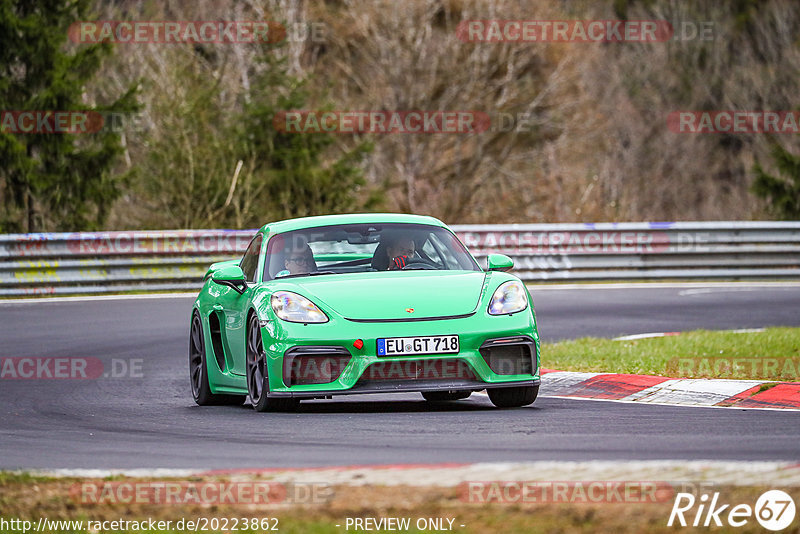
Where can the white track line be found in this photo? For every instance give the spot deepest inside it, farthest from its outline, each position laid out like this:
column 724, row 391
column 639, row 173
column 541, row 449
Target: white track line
column 89, row 298
column 661, row 285
column 664, row 334
column 634, row 337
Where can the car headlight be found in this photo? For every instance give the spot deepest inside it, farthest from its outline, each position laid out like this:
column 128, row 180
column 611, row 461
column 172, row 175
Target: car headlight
column 510, row 297
column 296, row 308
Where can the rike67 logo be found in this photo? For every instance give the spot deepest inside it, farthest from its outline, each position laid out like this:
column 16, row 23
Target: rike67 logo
column 774, row 510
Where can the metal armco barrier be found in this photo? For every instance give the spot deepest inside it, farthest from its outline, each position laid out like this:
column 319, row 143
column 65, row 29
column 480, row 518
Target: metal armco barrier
column 69, row 263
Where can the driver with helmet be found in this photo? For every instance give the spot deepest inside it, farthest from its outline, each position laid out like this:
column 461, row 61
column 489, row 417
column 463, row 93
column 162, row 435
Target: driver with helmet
column 400, row 250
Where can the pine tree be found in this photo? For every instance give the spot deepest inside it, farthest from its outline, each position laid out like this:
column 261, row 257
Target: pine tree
column 210, row 164
column 298, row 179
column 783, row 194
column 52, row 181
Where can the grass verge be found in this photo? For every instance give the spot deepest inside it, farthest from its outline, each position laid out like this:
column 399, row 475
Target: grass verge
column 773, row 354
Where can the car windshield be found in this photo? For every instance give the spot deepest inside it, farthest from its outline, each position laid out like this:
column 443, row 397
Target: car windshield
column 358, row 248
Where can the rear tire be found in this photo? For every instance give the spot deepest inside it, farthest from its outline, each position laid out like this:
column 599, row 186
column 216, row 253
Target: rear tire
column 513, row 397
column 258, row 374
column 444, row 396
column 198, row 370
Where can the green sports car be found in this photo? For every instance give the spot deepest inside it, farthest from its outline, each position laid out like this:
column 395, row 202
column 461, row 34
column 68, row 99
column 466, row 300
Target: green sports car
column 369, row 303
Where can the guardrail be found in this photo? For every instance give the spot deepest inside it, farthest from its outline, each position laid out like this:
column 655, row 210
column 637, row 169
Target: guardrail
column 69, row 263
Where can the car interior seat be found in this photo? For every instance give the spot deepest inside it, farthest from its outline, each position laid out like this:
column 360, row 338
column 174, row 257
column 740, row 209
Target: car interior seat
column 380, row 259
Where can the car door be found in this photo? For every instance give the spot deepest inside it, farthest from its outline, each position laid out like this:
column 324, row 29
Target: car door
column 234, row 308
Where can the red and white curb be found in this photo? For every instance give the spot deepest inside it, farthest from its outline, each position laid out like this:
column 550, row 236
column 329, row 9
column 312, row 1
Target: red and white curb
column 664, row 390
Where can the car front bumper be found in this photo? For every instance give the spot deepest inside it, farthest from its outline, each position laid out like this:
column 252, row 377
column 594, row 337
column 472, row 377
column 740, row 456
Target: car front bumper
column 363, row 371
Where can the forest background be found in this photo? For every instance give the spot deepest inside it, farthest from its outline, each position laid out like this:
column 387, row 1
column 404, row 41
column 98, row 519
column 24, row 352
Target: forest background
column 579, row 131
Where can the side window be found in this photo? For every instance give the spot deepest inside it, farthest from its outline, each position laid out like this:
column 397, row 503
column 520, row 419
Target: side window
column 249, row 263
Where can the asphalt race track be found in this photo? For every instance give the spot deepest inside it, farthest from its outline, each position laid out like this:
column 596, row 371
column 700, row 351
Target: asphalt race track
column 151, row 421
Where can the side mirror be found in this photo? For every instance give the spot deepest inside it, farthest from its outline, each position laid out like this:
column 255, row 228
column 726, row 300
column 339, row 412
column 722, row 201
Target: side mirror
column 231, row 276
column 499, row 262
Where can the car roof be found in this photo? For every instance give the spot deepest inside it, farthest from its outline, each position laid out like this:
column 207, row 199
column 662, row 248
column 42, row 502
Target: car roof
column 352, row 218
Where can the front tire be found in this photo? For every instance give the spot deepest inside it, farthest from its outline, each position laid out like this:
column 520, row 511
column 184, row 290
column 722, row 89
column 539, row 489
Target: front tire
column 444, row 396
column 258, row 374
column 198, row 369
column 513, row 397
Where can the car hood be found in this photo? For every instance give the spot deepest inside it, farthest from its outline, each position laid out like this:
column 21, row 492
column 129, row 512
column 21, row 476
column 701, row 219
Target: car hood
column 397, row 295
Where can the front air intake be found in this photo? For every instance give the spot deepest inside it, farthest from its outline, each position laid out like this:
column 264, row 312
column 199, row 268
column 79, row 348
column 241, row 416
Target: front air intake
column 510, row 356
column 314, row 365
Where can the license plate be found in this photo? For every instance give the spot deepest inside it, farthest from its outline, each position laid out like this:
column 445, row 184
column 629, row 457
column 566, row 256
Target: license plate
column 402, row 346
